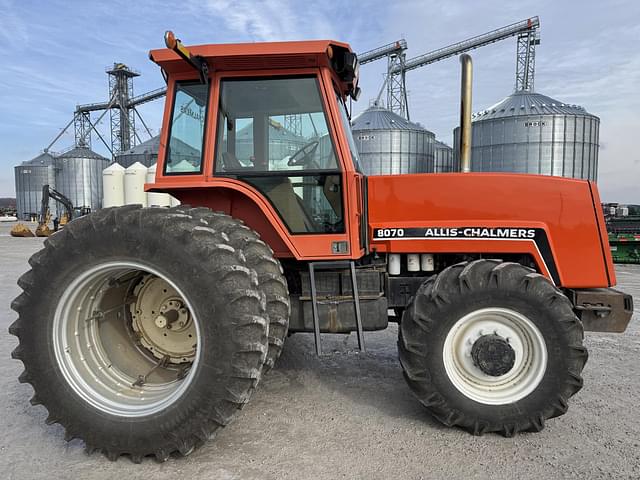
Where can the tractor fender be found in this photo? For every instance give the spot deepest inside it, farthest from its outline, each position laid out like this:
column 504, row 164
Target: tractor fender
column 245, row 203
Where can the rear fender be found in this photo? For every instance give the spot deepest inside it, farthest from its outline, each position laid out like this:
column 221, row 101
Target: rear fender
column 239, row 201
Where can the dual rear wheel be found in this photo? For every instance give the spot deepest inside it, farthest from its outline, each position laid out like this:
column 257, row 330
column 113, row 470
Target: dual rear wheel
column 142, row 331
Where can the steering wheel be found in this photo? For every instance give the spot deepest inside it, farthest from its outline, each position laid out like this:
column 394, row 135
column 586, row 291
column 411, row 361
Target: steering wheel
column 304, row 154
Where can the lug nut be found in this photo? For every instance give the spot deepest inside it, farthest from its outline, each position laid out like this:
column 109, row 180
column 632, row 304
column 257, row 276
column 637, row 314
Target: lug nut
column 161, row 321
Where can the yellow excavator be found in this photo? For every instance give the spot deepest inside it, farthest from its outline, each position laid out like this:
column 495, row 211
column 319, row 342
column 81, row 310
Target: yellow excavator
column 43, row 229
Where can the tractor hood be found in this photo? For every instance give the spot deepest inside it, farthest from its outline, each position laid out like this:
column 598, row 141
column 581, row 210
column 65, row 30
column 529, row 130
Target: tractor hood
column 558, row 221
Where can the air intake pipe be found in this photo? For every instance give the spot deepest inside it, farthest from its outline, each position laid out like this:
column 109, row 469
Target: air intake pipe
column 464, row 146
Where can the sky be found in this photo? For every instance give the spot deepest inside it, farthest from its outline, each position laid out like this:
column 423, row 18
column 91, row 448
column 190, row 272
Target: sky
column 54, row 54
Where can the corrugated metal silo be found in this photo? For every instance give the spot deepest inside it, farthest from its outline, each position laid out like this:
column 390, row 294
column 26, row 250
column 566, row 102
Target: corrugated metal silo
column 444, row 162
column 79, row 177
column 532, row 133
column 145, row 153
column 30, row 176
column 389, row 144
column 282, row 143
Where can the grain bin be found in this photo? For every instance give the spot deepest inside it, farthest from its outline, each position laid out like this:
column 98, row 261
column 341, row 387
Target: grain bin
column 532, row 133
column 145, row 153
column 443, row 158
column 30, row 176
column 282, row 144
column 389, row 144
column 79, row 177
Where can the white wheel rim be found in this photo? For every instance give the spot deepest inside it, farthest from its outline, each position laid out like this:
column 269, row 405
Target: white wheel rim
column 100, row 359
column 524, row 338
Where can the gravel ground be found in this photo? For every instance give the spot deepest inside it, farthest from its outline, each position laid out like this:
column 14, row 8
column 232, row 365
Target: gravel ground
column 346, row 415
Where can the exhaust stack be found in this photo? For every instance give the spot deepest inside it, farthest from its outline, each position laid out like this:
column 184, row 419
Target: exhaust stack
column 465, row 113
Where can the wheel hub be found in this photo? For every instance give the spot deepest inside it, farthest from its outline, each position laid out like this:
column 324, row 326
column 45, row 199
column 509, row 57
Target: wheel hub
column 108, row 346
column 162, row 322
column 493, row 355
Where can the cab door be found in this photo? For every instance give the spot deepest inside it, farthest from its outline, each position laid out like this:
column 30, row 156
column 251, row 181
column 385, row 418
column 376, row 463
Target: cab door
column 283, row 138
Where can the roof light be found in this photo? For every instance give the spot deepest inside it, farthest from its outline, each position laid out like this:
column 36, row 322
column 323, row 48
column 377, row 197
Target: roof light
column 170, row 39
column 330, row 52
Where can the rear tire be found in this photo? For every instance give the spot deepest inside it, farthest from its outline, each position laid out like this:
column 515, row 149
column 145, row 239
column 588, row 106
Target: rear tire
column 92, row 342
column 271, row 280
column 492, row 346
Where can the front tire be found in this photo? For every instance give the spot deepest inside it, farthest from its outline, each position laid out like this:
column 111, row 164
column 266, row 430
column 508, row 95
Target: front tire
column 142, row 331
column 492, row 346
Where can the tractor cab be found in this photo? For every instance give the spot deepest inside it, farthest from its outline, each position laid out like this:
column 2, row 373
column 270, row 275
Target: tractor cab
column 267, row 122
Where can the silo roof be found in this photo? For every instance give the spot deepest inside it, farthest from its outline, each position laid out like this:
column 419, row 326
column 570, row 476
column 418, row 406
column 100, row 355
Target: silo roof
column 149, row 146
column 42, row 159
column 528, row 103
column 276, row 132
column 439, row 144
column 379, row 118
column 82, row 152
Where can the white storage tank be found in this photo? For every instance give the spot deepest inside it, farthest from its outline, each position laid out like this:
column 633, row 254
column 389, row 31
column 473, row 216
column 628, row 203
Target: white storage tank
column 113, row 186
column 183, row 166
column 156, row 199
column 134, row 179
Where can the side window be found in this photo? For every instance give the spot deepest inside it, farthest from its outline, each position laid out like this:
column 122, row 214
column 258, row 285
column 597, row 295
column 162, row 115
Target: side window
column 346, row 125
column 273, row 134
column 186, row 129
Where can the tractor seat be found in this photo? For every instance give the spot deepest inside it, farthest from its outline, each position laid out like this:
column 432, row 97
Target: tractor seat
column 280, row 193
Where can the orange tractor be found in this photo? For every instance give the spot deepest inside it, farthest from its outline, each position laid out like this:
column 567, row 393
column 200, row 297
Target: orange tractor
column 144, row 330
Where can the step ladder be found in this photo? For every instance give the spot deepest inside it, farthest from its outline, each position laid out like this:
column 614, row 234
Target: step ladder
column 313, row 266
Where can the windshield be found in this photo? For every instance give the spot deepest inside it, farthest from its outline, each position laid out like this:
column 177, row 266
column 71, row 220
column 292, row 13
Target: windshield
column 273, row 125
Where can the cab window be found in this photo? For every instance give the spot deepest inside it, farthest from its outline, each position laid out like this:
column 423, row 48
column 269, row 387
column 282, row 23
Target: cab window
column 186, row 129
column 274, row 135
column 346, row 126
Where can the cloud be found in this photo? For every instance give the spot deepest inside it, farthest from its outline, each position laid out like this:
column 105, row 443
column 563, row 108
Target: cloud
column 13, row 29
column 272, row 20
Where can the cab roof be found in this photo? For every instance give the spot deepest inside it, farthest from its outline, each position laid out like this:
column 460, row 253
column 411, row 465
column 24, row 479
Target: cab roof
column 251, row 56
